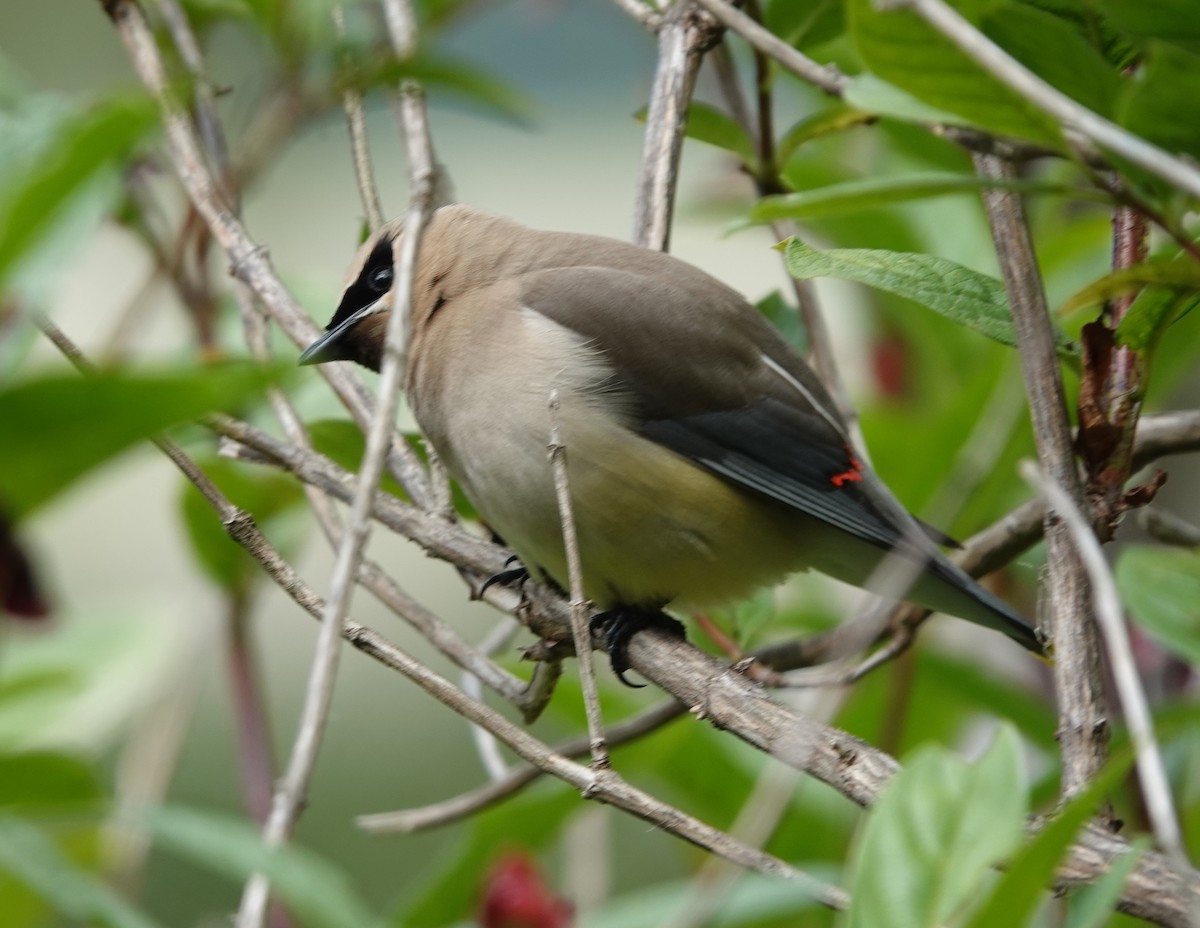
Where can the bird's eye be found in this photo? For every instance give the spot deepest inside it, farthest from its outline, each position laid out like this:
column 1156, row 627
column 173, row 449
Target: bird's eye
column 379, row 279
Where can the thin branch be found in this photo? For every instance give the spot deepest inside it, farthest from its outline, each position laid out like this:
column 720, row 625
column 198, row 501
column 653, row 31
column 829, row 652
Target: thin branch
column 819, row 340
column 1155, row 890
column 1083, row 724
column 580, row 630
column 1156, row 790
column 683, row 36
column 592, row 784
column 1168, row 528
column 823, row 77
column 1074, row 118
column 205, row 101
column 459, row 807
column 642, row 12
column 292, row 792
column 360, row 147
column 249, row 262
column 487, row 748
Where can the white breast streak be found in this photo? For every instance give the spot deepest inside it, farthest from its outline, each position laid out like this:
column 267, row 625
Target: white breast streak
column 807, row 394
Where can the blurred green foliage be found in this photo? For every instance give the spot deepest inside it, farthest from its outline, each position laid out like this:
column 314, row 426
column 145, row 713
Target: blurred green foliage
column 894, row 207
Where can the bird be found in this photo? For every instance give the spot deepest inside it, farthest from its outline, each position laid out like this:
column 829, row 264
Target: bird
column 704, row 458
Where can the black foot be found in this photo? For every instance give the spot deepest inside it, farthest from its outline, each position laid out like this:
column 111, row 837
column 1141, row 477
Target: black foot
column 621, row 624
column 508, row 577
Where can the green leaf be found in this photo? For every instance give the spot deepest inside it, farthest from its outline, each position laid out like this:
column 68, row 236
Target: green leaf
column 1176, row 275
column 903, row 49
column 1156, row 98
column 708, row 124
column 1151, row 313
column 958, row 293
column 361, row 68
column 46, row 779
column 317, row 892
column 829, row 121
column 805, row 24
column 1176, row 21
column 80, row 149
column 752, row 900
column 1161, row 588
column 79, row 687
column 879, row 191
column 873, row 94
column 785, row 317
column 1028, row 876
column 30, row 856
column 264, row 494
column 938, row 828
column 57, row 428
column 1056, row 51
column 341, row 441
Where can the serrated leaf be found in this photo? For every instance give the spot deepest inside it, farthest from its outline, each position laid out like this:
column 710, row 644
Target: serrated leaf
column 874, row 192
column 958, row 293
column 57, row 428
column 30, row 856
column 932, row 837
column 903, row 49
column 317, row 892
column 1028, row 876
column 1161, row 588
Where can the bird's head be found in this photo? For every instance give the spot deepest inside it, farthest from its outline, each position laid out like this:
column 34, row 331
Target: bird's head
column 356, row 331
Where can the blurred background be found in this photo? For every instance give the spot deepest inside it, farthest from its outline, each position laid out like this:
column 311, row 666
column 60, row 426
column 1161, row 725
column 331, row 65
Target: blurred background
column 124, row 583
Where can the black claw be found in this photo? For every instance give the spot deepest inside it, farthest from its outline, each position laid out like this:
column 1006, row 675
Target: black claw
column 621, row 624
column 505, row 577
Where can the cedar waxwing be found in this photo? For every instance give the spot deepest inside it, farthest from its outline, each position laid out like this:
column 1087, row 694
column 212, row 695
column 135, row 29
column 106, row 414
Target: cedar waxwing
column 704, row 458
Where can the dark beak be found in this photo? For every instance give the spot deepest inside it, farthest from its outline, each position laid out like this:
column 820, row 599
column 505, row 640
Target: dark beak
column 333, row 345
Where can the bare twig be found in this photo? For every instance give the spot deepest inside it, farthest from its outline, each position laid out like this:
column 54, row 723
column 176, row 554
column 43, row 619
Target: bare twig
column 683, row 36
column 642, row 12
column 360, row 147
column 826, row 78
column 1156, row 790
column 1075, row 119
column 486, row 745
column 292, row 791
column 580, row 630
column 459, row 807
column 1167, row 527
column 249, row 261
column 1083, row 724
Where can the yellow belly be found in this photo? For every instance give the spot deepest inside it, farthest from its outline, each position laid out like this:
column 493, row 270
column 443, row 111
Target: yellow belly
column 652, row 526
